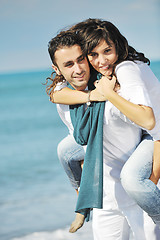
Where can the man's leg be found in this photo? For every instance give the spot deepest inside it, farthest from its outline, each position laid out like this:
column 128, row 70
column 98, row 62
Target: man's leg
column 110, row 225
column 142, row 226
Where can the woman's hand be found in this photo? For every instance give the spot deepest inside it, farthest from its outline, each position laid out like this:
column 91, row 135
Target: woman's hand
column 106, row 86
column 96, row 96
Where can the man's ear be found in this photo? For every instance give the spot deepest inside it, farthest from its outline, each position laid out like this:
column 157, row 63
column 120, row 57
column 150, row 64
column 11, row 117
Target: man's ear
column 56, row 69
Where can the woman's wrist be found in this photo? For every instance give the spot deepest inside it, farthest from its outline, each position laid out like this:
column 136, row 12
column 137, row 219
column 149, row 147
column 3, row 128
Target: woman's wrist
column 88, row 98
column 96, row 96
column 92, row 99
column 110, row 94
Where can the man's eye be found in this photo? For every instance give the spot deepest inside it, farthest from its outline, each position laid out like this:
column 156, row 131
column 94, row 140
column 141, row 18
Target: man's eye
column 69, row 65
column 81, row 59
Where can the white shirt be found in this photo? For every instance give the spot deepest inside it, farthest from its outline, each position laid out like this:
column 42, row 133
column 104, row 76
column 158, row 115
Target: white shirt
column 63, row 110
column 129, row 73
column 120, row 135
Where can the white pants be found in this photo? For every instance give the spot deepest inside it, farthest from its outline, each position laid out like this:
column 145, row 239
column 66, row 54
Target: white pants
column 118, row 224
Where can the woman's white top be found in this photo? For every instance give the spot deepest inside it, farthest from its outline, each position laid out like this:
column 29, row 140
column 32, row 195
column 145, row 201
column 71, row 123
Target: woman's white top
column 129, row 72
column 120, row 135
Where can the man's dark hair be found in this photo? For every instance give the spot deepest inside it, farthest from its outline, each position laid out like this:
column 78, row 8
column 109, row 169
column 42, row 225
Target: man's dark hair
column 63, row 39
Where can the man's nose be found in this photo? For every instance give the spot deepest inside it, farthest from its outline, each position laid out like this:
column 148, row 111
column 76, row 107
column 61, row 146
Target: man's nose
column 78, row 68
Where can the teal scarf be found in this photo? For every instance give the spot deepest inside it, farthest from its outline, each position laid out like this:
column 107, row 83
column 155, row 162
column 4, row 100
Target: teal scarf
column 88, row 130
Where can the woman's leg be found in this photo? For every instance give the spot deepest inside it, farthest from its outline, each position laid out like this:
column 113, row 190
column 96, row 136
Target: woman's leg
column 135, row 179
column 70, row 155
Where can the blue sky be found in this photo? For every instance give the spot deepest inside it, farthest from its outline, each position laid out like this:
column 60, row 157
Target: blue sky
column 28, row 25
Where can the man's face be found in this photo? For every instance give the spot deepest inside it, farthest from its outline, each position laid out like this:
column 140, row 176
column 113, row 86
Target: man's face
column 73, row 66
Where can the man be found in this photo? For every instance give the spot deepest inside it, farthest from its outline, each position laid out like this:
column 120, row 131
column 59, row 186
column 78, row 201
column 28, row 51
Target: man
column 70, row 64
column 76, row 71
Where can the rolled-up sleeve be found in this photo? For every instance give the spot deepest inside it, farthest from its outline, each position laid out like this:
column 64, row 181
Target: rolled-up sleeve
column 132, row 88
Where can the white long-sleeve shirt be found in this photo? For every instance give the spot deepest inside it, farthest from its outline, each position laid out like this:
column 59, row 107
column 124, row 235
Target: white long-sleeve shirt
column 129, row 73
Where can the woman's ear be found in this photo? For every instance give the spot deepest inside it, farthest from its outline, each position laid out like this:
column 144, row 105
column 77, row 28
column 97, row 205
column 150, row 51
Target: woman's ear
column 56, row 69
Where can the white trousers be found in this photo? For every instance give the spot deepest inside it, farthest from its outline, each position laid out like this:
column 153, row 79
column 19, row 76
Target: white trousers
column 119, row 224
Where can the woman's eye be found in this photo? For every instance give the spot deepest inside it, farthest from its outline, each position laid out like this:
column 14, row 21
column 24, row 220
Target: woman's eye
column 92, row 54
column 107, row 50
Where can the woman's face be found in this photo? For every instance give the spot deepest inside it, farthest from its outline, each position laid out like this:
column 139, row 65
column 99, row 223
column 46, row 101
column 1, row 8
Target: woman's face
column 103, row 57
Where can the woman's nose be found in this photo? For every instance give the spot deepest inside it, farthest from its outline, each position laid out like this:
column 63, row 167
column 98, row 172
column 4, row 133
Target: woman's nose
column 102, row 59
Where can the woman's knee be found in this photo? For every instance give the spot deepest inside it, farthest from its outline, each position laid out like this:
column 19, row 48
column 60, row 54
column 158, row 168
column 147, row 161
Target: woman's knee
column 69, row 151
column 139, row 165
column 61, row 150
column 127, row 177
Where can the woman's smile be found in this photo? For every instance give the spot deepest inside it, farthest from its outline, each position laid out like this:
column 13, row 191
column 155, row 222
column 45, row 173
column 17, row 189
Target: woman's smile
column 103, row 57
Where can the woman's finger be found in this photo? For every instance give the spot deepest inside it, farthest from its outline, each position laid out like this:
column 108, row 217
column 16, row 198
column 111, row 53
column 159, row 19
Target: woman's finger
column 96, row 82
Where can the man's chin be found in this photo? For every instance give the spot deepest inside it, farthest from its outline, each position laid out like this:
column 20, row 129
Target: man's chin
column 81, row 88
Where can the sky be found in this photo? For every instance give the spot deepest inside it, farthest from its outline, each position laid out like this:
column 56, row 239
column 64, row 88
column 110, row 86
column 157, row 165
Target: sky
column 26, row 27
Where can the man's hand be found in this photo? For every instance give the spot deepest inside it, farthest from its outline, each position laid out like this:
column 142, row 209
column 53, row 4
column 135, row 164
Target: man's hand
column 155, row 175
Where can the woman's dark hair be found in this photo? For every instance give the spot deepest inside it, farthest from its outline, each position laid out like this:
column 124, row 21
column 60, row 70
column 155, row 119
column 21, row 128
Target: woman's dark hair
column 94, row 30
column 88, row 34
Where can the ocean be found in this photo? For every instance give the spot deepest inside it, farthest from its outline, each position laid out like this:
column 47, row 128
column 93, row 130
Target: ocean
column 37, row 201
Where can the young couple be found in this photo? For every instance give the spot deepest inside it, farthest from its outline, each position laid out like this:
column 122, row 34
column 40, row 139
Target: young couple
column 120, row 169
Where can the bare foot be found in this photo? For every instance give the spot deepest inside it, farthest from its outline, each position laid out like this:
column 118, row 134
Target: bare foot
column 77, row 223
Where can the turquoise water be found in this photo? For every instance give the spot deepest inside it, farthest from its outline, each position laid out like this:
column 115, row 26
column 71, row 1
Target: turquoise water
column 34, row 188
column 36, row 199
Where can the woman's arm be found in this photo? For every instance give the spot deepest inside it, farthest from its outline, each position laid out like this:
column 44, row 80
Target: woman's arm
column 70, row 97
column 139, row 114
column 155, row 176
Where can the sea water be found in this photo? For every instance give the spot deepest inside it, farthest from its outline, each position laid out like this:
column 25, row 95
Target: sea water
column 37, row 201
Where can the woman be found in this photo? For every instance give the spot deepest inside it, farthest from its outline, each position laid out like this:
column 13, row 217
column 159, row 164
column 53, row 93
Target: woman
column 109, row 40
column 99, row 54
